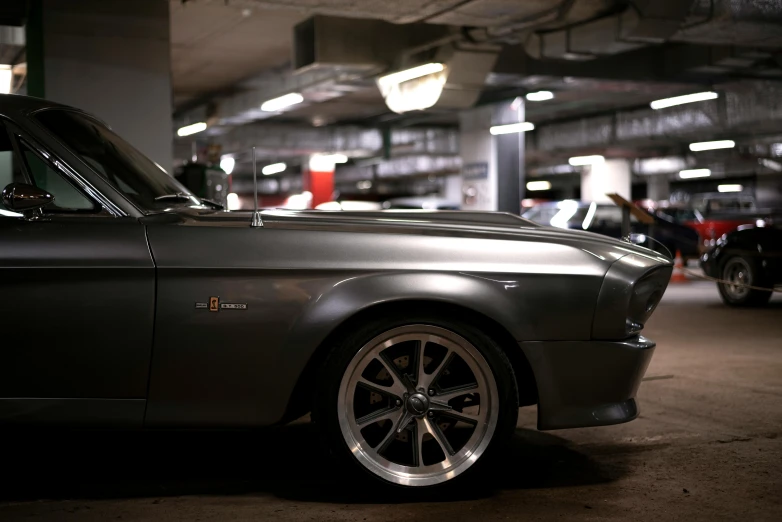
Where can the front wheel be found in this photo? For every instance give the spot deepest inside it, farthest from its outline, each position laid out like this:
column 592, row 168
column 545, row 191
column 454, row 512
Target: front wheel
column 738, row 274
column 416, row 402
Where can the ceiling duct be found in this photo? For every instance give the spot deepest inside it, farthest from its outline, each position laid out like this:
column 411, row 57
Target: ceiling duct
column 642, row 23
column 347, row 44
column 747, row 23
column 745, row 109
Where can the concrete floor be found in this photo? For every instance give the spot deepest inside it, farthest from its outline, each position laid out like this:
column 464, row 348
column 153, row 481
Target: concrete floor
column 707, row 446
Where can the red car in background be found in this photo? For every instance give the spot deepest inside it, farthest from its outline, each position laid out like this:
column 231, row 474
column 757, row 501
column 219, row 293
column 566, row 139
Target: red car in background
column 714, row 214
column 709, row 228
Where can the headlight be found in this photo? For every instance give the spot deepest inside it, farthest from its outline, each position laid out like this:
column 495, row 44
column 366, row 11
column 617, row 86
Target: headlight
column 631, row 291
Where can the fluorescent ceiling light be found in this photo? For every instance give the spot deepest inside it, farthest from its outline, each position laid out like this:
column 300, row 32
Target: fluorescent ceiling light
column 410, row 74
column 540, row 95
column 680, row 100
column 277, row 104
column 227, row 163
column 694, row 173
column 730, row 188
column 6, row 79
column 578, row 161
column 194, row 128
column 524, row 126
column 364, row 185
column 711, row 145
column 274, row 168
column 538, row 185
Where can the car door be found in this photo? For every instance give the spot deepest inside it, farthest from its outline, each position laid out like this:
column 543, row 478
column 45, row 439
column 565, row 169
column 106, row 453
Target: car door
column 77, row 297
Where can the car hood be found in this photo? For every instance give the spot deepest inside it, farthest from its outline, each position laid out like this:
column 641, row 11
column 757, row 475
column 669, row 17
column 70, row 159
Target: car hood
column 487, row 225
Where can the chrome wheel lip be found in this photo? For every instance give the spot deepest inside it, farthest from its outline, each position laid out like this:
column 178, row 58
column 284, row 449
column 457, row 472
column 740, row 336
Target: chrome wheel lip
column 736, row 272
column 418, row 476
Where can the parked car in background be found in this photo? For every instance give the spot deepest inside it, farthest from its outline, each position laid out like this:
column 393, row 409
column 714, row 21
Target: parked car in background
column 709, row 227
column 349, row 205
column 748, row 256
column 606, row 219
column 412, row 337
column 424, row 203
column 708, row 203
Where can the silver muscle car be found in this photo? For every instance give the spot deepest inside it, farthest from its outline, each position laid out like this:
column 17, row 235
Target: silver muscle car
column 412, row 336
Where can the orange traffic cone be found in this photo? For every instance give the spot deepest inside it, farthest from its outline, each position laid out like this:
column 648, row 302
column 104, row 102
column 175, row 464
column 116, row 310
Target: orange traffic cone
column 678, row 275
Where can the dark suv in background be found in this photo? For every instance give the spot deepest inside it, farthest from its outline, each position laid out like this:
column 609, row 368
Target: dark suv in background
column 606, row 219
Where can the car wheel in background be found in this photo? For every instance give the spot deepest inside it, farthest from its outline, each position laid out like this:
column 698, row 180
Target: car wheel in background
column 416, row 402
column 738, row 272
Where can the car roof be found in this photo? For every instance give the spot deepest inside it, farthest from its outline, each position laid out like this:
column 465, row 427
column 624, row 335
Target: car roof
column 19, row 103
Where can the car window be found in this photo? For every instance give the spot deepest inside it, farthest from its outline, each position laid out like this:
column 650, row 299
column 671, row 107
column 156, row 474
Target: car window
column 119, row 163
column 66, row 196
column 10, row 171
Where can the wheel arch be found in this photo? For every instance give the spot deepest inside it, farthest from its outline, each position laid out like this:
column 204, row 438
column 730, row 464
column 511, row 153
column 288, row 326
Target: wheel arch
column 300, row 400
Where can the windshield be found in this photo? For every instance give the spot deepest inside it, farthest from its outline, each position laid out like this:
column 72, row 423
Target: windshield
column 128, row 170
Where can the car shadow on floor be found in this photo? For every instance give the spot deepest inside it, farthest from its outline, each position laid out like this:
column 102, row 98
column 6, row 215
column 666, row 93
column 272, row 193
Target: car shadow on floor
column 287, row 462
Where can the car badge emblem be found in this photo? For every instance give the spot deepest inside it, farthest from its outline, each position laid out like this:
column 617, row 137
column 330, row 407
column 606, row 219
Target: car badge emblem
column 214, row 305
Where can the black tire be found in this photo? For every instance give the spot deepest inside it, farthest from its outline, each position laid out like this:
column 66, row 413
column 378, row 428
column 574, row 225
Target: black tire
column 325, row 405
column 742, row 270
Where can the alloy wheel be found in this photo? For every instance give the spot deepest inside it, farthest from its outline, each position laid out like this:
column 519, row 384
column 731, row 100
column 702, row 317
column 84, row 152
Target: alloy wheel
column 418, row 405
column 737, row 274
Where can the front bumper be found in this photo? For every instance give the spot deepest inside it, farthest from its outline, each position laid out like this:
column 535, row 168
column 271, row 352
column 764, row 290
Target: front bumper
column 587, row 383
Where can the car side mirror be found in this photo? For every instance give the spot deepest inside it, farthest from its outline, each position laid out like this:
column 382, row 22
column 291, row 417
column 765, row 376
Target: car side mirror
column 27, row 199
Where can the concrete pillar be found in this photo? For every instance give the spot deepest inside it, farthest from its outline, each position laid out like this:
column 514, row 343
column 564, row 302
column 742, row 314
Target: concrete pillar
column 111, row 59
column 658, row 187
column 611, row 176
column 492, row 166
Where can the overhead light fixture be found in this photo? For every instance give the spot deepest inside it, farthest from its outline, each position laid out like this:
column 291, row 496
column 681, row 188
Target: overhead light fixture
column 282, row 102
column 523, row 126
column 694, row 173
column 539, row 95
column 680, row 100
column 6, row 79
column 410, row 74
column 337, row 158
column 711, row 145
column 326, row 162
column 274, row 168
column 730, row 188
column 227, row 163
column 194, row 128
column 364, row 185
column 401, row 94
column 578, row 161
column 233, row 202
column 534, row 186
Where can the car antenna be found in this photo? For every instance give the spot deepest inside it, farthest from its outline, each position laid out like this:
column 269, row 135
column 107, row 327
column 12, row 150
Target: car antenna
column 257, row 221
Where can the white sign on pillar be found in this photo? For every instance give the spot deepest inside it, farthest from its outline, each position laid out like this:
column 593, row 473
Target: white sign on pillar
column 609, row 177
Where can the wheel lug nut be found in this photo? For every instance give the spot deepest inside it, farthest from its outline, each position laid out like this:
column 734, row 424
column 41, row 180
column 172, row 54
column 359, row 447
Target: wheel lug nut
column 431, row 392
column 398, row 402
column 431, row 414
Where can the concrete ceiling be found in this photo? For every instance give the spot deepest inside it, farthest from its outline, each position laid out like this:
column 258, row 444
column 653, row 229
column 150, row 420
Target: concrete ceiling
column 215, row 45
column 223, row 50
column 474, row 13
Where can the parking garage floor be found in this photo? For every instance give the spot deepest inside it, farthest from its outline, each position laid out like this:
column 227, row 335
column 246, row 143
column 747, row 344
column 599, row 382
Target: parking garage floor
column 707, row 446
